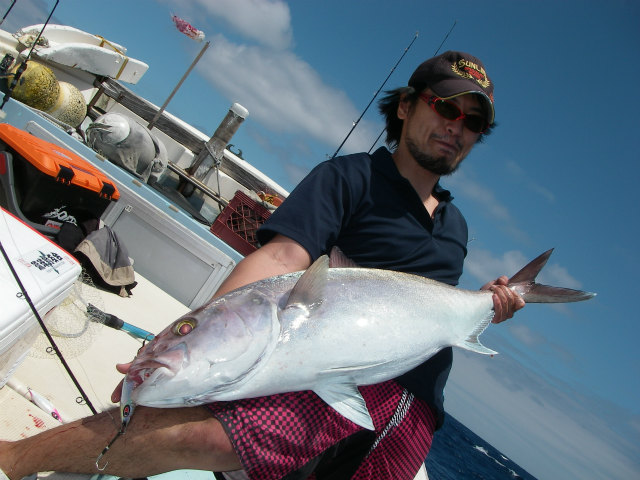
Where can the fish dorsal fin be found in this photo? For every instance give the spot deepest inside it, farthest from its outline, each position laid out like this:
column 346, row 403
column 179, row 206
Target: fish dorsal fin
column 473, row 343
column 342, row 394
column 531, row 270
column 337, row 259
column 309, row 290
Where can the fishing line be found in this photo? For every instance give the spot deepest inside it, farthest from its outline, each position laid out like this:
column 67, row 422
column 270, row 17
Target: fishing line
column 45, row 330
column 434, row 54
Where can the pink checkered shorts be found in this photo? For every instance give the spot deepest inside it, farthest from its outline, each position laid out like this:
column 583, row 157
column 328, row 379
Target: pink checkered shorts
column 279, row 434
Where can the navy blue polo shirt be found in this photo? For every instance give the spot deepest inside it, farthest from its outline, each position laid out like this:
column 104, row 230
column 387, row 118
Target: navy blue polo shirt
column 363, row 205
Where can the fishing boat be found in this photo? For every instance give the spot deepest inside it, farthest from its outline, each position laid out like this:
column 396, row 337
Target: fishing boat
column 189, row 206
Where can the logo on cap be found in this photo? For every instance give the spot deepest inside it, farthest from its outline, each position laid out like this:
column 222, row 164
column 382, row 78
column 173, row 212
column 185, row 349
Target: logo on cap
column 472, row 71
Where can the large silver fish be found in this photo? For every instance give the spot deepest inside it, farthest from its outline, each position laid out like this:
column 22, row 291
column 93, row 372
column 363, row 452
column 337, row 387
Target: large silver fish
column 128, row 144
column 326, row 329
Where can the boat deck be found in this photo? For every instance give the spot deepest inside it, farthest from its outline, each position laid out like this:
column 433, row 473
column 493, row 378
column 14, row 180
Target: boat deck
column 148, row 308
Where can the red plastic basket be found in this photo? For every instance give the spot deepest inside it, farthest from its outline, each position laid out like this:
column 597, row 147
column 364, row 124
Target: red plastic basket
column 238, row 222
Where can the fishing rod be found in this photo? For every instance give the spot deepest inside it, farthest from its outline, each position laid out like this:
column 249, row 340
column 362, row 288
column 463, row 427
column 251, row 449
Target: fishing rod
column 46, row 330
column 7, row 12
column 355, row 124
column 23, row 65
column 434, row 54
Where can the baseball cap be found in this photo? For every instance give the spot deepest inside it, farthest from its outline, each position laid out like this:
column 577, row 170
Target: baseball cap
column 452, row 74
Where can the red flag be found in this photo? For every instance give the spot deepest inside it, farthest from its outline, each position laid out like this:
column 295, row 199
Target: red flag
column 186, row 28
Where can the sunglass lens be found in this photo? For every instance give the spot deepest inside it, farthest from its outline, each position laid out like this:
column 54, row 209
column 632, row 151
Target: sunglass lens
column 475, row 123
column 448, row 110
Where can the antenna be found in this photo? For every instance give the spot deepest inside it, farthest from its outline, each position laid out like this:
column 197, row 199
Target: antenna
column 355, row 124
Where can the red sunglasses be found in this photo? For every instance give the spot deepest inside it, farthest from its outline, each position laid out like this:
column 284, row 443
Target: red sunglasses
column 451, row 111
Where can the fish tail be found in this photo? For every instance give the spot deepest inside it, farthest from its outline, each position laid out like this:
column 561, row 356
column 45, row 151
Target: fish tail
column 524, row 284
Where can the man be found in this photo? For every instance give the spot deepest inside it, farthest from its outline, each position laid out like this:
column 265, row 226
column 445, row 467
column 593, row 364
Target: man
column 386, row 210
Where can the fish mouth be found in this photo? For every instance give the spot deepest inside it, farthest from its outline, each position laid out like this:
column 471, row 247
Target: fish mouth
column 103, row 127
column 142, row 371
column 150, row 364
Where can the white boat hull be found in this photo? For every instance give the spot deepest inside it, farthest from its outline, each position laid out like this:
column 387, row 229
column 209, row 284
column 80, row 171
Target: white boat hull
column 74, row 48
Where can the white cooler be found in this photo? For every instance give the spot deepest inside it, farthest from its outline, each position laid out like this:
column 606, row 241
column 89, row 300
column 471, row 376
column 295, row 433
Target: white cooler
column 47, row 273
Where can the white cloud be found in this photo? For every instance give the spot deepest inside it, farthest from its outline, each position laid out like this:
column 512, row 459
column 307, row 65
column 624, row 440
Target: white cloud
column 487, row 203
column 480, row 194
column 550, row 433
column 483, row 265
column 281, row 91
column 526, row 335
column 520, row 175
column 26, row 13
column 265, row 21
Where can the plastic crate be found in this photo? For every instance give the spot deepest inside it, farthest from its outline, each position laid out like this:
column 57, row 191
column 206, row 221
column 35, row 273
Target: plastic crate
column 239, row 221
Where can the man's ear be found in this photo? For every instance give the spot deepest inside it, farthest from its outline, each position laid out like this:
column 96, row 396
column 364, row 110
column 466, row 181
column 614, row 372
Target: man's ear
column 403, row 107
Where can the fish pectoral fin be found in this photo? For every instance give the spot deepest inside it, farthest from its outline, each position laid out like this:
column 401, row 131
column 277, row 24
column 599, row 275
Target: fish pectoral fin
column 476, row 347
column 343, row 396
column 473, row 344
column 309, row 290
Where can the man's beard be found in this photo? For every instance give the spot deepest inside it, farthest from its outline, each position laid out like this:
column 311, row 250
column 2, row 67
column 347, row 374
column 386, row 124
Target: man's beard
column 438, row 165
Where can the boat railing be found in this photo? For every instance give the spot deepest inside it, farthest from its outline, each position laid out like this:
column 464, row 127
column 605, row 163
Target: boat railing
column 179, row 133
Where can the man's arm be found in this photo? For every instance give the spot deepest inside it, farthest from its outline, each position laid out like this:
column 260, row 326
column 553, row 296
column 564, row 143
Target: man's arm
column 281, row 255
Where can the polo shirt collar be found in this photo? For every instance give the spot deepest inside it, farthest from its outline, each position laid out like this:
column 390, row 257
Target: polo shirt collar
column 383, row 162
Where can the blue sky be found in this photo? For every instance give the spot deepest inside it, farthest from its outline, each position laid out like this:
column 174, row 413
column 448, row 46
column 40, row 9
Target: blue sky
column 561, row 170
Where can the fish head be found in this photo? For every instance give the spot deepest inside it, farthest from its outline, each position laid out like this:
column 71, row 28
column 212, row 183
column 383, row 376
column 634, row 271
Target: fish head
column 205, row 351
column 110, row 128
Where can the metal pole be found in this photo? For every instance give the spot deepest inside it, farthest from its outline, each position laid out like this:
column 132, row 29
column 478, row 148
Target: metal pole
column 186, row 74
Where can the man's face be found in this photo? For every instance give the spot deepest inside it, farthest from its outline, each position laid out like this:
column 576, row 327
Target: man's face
column 436, row 143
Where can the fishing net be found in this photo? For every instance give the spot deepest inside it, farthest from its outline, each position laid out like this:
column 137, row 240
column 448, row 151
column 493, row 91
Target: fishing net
column 72, row 329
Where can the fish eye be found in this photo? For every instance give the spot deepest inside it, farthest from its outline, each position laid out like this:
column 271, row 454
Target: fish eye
column 257, row 299
column 184, row 327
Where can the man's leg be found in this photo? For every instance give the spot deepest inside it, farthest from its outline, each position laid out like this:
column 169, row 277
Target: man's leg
column 156, row 441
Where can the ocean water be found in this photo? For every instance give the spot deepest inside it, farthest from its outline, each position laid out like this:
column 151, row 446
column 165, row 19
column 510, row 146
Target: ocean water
column 457, row 453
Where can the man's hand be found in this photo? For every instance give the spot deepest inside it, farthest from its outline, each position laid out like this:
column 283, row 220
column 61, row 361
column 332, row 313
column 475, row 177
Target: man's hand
column 506, row 302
